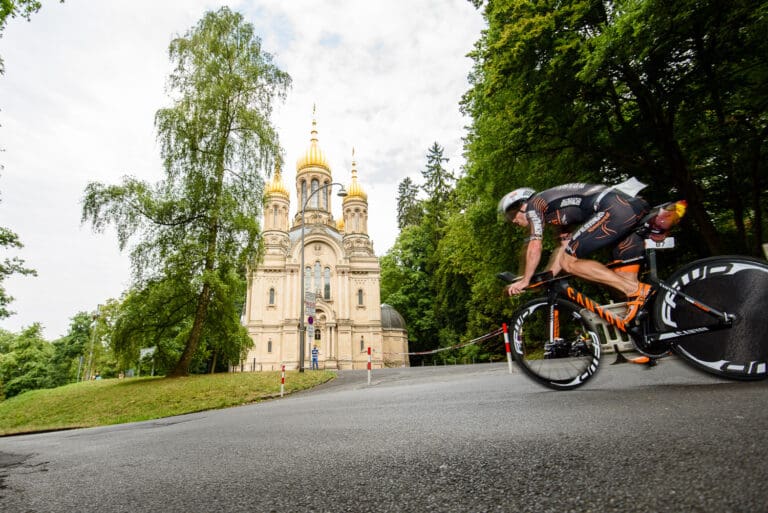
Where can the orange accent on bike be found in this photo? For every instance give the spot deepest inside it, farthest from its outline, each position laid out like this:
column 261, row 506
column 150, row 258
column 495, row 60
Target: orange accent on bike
column 593, row 307
column 640, row 359
column 631, row 268
column 701, row 307
column 556, row 322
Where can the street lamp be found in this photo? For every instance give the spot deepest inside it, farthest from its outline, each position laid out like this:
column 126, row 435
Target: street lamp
column 302, row 329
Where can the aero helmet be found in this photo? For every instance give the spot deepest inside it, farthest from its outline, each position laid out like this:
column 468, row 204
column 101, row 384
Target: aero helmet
column 512, row 200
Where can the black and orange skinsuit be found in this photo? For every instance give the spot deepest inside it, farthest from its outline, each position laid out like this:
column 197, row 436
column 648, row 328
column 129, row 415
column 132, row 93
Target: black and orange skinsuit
column 590, row 216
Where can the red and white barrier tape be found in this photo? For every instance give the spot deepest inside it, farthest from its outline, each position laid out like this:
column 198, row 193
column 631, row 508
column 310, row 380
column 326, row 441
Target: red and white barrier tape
column 494, row 333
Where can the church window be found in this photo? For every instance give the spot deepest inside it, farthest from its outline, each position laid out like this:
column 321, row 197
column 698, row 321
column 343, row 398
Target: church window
column 315, row 185
column 362, row 344
column 327, row 283
column 307, row 278
column 269, row 346
column 317, row 277
column 326, row 194
column 303, row 192
column 272, row 296
column 360, row 297
column 274, row 216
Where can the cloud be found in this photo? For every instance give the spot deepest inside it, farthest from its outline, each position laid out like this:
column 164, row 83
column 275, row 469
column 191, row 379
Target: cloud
column 84, row 80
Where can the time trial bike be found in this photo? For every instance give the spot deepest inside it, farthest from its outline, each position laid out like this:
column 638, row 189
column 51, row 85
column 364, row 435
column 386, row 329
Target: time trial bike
column 710, row 312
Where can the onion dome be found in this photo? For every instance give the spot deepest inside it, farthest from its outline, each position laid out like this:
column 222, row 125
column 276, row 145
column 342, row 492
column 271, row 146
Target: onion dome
column 276, row 185
column 314, row 156
column 355, row 190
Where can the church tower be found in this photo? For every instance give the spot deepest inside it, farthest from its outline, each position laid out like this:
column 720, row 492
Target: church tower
column 340, row 278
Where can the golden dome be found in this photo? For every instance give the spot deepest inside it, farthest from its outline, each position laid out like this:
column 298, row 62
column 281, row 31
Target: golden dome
column 276, row 185
column 314, row 156
column 355, row 190
column 340, row 225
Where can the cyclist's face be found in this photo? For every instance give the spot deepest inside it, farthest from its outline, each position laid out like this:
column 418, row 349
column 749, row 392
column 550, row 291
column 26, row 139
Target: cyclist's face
column 518, row 218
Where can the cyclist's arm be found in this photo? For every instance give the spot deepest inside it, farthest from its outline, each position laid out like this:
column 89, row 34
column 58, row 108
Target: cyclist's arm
column 532, row 257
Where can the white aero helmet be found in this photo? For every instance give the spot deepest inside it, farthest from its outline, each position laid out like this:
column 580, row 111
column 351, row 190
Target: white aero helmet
column 511, row 201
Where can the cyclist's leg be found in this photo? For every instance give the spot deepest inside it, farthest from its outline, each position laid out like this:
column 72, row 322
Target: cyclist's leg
column 610, row 226
column 593, row 270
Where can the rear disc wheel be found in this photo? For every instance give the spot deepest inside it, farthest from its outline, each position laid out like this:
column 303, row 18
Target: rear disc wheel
column 736, row 285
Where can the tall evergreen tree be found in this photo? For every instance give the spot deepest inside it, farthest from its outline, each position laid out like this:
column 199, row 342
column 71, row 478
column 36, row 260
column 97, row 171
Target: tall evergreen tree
column 438, row 183
column 198, row 227
column 409, row 209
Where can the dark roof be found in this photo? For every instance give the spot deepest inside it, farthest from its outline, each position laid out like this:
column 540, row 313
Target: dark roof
column 391, row 319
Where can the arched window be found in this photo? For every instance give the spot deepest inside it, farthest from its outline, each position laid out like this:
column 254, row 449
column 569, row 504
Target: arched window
column 303, row 193
column 318, row 285
column 362, row 344
column 360, row 297
column 269, row 346
column 272, row 296
column 327, row 283
column 326, row 195
column 307, row 278
column 274, row 217
column 315, row 185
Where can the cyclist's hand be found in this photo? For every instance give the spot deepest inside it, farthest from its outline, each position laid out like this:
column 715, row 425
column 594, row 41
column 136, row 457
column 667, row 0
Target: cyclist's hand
column 517, row 287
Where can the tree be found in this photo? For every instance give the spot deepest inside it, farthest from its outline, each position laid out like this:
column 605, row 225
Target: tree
column 8, row 267
column 438, row 184
column 24, row 364
column 70, row 353
column 672, row 93
column 409, row 209
column 198, row 227
column 406, row 286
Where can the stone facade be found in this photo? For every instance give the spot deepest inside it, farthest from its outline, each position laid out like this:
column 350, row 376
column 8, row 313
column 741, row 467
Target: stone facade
column 341, row 273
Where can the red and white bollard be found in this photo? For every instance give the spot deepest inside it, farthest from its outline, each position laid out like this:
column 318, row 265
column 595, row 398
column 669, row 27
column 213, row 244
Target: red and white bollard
column 506, row 345
column 282, row 381
column 369, row 365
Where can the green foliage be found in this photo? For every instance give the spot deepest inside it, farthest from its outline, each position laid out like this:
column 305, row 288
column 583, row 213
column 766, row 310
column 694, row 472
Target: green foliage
column 9, row 266
column 406, row 286
column 196, row 231
column 68, row 350
column 670, row 92
column 409, row 209
column 24, row 360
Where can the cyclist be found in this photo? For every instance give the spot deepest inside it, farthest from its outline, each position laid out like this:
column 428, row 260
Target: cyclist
column 587, row 217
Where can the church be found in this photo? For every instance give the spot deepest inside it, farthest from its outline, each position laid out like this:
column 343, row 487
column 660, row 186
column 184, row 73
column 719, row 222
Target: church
column 343, row 314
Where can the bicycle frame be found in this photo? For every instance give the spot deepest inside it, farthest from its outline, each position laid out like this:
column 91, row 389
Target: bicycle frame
column 558, row 286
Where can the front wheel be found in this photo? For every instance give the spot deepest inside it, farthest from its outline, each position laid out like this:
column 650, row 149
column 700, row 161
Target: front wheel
column 554, row 344
column 736, row 285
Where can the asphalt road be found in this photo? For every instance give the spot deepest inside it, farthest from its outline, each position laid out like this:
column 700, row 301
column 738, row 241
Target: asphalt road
column 442, row 439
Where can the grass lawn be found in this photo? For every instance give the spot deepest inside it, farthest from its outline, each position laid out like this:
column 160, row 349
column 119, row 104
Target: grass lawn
column 112, row 401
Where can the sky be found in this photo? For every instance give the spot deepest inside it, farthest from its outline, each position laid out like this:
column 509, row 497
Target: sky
column 83, row 81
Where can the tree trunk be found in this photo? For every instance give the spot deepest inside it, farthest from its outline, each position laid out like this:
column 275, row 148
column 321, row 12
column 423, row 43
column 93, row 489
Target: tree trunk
column 204, row 299
column 661, row 122
column 213, row 362
column 182, row 367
